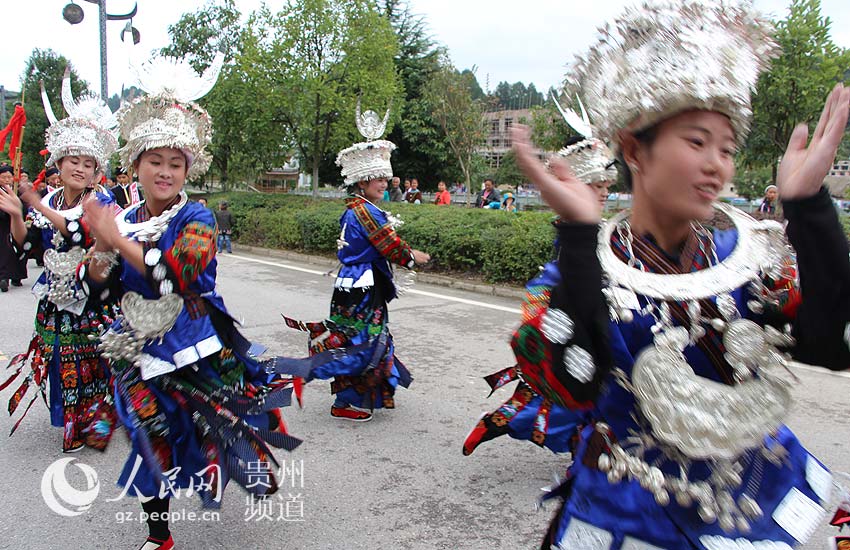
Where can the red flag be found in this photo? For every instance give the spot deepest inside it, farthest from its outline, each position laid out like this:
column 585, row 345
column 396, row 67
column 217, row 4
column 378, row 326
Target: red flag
column 15, row 126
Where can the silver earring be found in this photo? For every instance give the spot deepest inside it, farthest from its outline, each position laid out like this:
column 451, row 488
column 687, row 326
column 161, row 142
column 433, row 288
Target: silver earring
column 634, row 168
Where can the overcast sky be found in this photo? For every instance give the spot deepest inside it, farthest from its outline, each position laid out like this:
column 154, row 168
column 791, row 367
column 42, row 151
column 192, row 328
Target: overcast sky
column 510, row 40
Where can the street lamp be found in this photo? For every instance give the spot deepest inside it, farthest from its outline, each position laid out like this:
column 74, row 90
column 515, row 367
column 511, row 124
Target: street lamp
column 73, row 14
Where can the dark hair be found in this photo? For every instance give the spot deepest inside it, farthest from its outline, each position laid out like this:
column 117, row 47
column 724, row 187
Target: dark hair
column 490, row 180
column 644, row 137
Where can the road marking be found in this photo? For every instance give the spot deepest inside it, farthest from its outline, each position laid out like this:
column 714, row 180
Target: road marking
column 800, row 366
column 410, row 291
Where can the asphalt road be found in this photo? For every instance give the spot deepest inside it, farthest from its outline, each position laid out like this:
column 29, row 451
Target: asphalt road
column 399, row 481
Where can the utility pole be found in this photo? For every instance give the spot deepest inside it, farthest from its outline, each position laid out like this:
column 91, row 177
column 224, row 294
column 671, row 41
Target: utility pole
column 73, row 14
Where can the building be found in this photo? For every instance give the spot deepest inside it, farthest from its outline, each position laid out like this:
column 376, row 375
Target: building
column 498, row 134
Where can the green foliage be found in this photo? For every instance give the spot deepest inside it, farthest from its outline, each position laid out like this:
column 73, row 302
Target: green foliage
column 797, row 84
column 501, row 247
column 246, row 139
column 422, row 151
column 509, row 172
column 48, row 66
column 549, row 131
column 460, row 117
column 320, row 56
column 751, row 181
column 516, row 96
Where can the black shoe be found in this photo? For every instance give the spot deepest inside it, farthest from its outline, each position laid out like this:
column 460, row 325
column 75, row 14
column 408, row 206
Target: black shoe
column 4, row 285
column 17, row 282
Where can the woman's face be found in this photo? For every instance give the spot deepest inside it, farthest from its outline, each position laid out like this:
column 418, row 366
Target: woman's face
column 601, row 188
column 682, row 172
column 77, row 173
column 162, row 173
column 373, row 190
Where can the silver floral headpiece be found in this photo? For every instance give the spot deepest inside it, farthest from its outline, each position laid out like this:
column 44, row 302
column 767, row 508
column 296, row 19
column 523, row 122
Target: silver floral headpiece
column 88, row 130
column 167, row 116
column 590, row 159
column 667, row 57
column 367, row 160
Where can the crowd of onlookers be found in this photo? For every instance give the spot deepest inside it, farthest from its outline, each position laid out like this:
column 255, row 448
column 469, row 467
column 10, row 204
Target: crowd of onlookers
column 488, row 197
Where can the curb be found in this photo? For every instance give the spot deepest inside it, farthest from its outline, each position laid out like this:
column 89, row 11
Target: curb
column 428, row 278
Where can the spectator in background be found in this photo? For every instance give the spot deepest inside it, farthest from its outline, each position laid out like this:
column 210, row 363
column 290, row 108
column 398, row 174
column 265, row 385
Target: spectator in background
column 443, row 196
column 224, row 220
column 768, row 205
column 51, row 177
column 396, row 194
column 488, row 195
column 406, row 187
column 414, row 195
column 509, row 203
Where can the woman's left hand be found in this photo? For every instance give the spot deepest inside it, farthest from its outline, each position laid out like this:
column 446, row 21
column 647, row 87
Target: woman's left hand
column 803, row 169
column 9, row 202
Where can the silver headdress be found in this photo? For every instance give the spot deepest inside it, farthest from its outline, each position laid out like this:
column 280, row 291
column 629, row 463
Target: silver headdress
column 666, row 57
column 590, row 159
column 370, row 159
column 88, row 130
column 167, row 116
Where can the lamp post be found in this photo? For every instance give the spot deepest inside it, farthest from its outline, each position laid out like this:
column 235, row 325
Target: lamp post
column 74, row 14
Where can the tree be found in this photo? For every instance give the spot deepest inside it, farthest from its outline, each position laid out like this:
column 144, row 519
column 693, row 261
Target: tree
column 459, row 115
column 322, row 55
column 799, row 80
column 516, row 96
column 245, row 138
column 423, row 151
column 48, row 66
column 509, row 172
column 549, row 130
column 751, row 181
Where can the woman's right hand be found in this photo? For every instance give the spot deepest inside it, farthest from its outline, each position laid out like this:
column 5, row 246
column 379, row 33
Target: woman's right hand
column 29, row 195
column 571, row 199
column 421, row 257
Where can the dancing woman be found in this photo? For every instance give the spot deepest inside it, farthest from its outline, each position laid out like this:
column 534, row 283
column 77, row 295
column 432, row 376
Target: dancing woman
column 198, row 406
column 527, row 415
column 365, row 369
column 62, row 354
column 666, row 337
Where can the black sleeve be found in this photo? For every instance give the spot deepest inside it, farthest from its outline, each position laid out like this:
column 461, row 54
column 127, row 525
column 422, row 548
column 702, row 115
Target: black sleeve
column 579, row 295
column 823, row 261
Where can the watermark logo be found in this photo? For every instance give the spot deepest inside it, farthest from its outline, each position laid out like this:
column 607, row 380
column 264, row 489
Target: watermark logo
column 60, row 496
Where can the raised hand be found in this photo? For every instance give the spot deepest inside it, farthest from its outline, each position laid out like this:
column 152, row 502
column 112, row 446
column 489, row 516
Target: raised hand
column 571, row 199
column 803, row 169
column 9, row 202
column 420, row 257
column 28, row 194
column 101, row 220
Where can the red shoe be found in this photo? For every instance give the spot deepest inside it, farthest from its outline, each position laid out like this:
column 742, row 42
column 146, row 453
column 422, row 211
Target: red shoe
column 473, row 438
column 350, row 413
column 156, row 544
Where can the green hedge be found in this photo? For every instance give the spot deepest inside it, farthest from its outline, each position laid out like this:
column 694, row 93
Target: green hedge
column 500, row 247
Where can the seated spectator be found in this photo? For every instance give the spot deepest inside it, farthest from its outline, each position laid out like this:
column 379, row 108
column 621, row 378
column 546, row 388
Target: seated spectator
column 489, row 194
column 443, row 197
column 396, row 194
column 414, row 195
column 509, row 203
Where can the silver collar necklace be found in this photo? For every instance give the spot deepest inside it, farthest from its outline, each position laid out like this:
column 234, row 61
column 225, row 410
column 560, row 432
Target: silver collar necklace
column 152, row 229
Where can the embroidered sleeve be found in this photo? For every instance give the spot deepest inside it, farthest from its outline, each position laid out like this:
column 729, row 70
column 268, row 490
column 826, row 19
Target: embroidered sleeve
column 822, row 324
column 563, row 349
column 32, row 238
column 384, row 238
column 173, row 270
